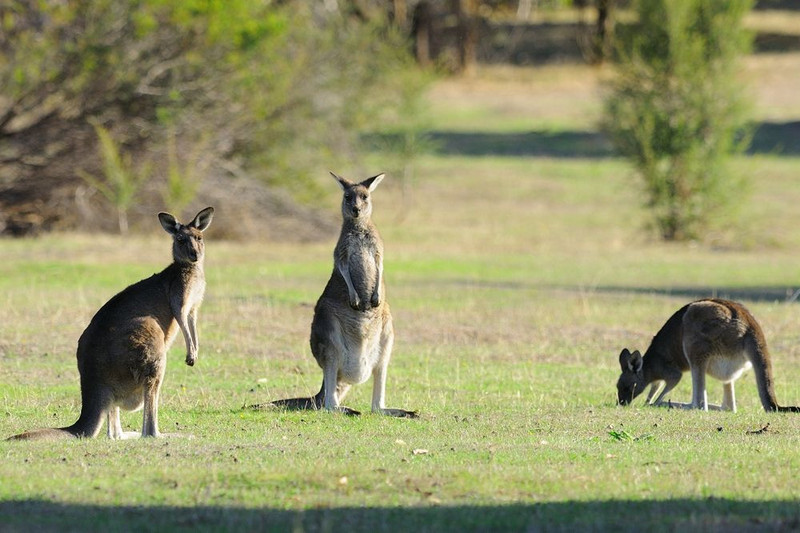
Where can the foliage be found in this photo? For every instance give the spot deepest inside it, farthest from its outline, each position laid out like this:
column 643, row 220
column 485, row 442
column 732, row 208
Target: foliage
column 265, row 89
column 677, row 110
column 120, row 181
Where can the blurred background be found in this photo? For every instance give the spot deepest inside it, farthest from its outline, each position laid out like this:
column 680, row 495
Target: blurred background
column 112, row 110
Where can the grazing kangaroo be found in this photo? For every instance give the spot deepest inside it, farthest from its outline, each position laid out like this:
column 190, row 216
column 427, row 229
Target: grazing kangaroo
column 122, row 354
column 715, row 337
column 351, row 333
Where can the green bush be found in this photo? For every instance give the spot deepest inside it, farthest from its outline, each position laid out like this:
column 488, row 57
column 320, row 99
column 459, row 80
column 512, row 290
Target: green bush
column 676, row 108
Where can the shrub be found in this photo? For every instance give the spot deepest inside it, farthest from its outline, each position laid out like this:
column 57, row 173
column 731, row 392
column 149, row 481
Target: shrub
column 677, row 110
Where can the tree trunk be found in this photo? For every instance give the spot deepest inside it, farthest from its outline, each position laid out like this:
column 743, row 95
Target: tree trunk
column 400, row 13
column 467, row 34
column 421, row 27
column 524, row 9
column 604, row 30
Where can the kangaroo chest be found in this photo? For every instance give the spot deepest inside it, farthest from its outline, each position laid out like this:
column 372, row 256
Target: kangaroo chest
column 358, row 249
column 186, row 292
column 194, row 293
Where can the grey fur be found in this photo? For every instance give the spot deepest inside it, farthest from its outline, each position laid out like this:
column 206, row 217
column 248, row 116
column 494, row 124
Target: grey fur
column 122, row 354
column 352, row 333
column 714, row 337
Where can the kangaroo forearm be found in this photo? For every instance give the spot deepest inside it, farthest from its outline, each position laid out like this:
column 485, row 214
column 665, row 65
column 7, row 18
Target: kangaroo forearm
column 193, row 331
column 344, row 270
column 187, row 336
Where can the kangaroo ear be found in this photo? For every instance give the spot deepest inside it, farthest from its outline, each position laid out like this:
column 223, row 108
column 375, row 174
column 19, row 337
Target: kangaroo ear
column 630, row 362
column 203, row 219
column 636, row 362
column 169, row 223
column 624, row 359
column 372, row 183
column 343, row 183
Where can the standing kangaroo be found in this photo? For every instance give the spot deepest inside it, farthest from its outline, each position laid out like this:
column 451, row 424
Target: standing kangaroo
column 352, row 334
column 122, row 354
column 715, row 337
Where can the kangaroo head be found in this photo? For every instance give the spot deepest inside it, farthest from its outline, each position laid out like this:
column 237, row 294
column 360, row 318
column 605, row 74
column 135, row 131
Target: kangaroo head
column 631, row 382
column 187, row 240
column 356, row 201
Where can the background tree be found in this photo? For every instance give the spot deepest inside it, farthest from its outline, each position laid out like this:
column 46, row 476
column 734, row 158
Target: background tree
column 269, row 90
column 677, row 109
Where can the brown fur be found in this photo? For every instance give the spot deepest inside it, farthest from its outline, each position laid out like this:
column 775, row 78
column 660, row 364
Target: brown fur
column 122, row 353
column 712, row 336
column 352, row 334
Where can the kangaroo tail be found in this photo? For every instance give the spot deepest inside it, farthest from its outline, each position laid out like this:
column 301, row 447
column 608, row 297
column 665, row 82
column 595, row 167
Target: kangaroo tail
column 762, row 367
column 44, row 434
column 87, row 425
column 297, row 404
column 80, row 429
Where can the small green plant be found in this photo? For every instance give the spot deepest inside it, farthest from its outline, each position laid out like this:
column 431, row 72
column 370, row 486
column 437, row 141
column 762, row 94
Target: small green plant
column 121, row 181
column 677, row 111
column 623, row 436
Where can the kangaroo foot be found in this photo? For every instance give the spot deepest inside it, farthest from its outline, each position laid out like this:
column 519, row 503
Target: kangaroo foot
column 347, row 411
column 399, row 413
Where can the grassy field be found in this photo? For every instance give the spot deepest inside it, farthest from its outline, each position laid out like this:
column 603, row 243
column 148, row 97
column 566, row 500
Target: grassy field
column 515, row 278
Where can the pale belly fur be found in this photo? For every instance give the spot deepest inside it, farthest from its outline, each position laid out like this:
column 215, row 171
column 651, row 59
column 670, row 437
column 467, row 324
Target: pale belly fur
column 727, row 368
column 359, row 358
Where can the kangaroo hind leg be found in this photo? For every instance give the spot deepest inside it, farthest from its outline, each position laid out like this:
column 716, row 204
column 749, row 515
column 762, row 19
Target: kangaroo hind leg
column 334, row 389
column 152, row 392
column 379, row 378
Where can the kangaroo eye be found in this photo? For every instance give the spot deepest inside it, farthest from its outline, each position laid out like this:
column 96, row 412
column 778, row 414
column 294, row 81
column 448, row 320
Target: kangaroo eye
column 364, row 197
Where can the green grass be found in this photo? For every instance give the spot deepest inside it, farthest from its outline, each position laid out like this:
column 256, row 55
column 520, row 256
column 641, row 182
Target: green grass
column 514, row 283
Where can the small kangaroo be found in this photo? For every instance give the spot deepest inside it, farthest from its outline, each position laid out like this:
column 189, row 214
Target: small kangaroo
column 351, row 333
column 122, row 354
column 711, row 336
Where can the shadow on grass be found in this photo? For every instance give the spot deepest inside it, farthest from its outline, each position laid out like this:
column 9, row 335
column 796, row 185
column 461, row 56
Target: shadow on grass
column 542, row 43
column 773, row 138
column 711, row 514
column 748, row 294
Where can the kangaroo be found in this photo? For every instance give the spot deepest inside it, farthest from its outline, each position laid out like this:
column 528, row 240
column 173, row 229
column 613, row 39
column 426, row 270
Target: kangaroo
column 711, row 336
column 122, row 354
column 352, row 333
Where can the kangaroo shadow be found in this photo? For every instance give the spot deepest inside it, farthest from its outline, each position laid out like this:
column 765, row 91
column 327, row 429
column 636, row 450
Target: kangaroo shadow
column 708, row 514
